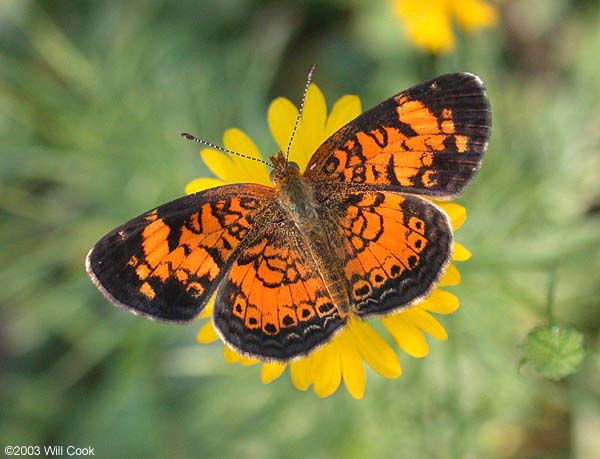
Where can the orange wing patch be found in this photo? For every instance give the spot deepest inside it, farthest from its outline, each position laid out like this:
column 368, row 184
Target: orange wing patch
column 433, row 132
column 396, row 249
column 202, row 244
column 273, row 306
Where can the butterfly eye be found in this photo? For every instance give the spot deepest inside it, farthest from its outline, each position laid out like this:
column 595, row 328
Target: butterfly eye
column 294, row 166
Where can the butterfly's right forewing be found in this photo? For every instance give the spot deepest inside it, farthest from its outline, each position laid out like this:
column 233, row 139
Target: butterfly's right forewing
column 427, row 140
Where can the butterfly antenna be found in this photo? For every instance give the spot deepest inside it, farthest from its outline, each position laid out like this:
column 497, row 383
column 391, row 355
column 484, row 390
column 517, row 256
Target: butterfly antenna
column 190, row 137
column 308, row 80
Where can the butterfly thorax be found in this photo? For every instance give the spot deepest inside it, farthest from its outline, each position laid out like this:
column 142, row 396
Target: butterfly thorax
column 297, row 199
column 295, row 193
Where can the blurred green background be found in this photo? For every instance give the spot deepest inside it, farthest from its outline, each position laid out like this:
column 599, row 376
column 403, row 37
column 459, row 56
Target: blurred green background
column 93, row 96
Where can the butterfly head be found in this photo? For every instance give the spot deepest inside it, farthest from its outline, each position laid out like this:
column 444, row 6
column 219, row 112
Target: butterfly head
column 283, row 170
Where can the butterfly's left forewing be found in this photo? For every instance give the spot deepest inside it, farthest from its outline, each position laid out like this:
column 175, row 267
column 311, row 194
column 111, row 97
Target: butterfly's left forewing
column 167, row 263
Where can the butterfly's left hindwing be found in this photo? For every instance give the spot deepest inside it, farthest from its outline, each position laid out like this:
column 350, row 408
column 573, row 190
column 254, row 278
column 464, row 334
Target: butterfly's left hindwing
column 273, row 305
column 166, row 263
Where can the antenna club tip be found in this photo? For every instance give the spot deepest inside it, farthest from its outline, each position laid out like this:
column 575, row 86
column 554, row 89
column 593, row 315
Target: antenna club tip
column 187, row 136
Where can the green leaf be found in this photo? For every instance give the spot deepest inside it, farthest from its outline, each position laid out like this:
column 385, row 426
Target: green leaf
column 554, row 351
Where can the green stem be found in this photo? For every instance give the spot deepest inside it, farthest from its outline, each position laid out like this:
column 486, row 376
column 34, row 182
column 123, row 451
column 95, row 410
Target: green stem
column 428, row 67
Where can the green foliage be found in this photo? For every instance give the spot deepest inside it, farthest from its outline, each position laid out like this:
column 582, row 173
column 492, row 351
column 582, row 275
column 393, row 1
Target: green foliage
column 93, row 96
column 554, row 351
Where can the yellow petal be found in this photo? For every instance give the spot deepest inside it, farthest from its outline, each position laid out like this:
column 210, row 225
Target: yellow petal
column 326, row 370
column 231, row 356
column 450, row 277
column 299, row 152
column 271, row 371
column 247, row 362
column 221, row 165
column 201, row 184
column 460, row 252
column 208, row 309
column 207, row 334
column 374, row 349
column 247, row 170
column 345, row 110
column 428, row 23
column 235, row 139
column 456, row 212
column 314, row 117
column 408, row 336
column 474, row 14
column 281, row 117
column 425, row 322
column 300, row 373
column 353, row 370
column 440, row 302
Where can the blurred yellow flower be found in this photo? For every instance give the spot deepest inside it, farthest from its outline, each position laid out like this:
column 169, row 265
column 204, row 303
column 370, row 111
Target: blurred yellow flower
column 343, row 357
column 429, row 22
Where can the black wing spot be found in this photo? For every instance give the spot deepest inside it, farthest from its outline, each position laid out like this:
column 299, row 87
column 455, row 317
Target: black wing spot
column 326, row 307
column 288, row 320
column 361, row 291
column 248, row 203
column 412, row 261
column 332, row 164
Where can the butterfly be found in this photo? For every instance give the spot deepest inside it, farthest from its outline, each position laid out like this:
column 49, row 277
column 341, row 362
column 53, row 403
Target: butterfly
column 288, row 265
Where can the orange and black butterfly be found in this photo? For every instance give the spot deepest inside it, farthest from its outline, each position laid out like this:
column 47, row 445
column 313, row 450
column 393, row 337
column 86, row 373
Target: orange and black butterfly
column 288, row 265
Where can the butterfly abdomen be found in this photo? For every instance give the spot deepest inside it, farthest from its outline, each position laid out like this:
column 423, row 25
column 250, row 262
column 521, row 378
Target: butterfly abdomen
column 298, row 201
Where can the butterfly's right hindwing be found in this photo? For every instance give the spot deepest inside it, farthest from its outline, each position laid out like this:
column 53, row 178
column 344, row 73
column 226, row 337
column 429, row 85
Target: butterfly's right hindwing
column 393, row 248
column 166, row 263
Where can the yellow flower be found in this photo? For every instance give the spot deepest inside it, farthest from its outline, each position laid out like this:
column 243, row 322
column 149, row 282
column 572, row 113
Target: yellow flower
column 429, row 22
column 342, row 358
